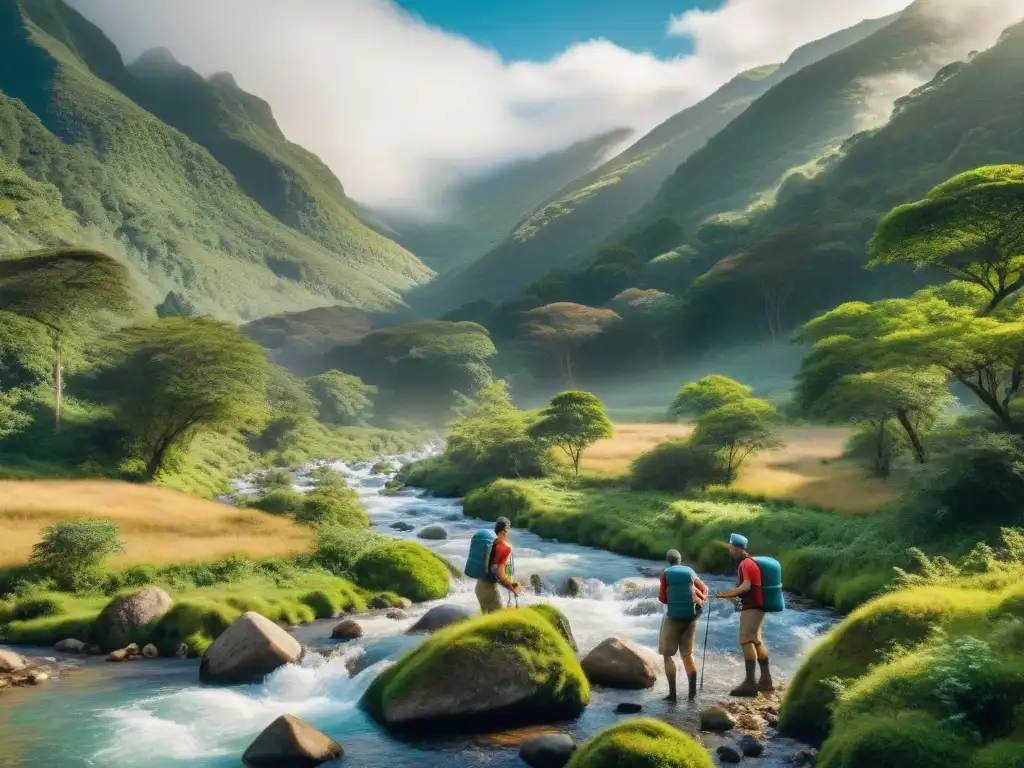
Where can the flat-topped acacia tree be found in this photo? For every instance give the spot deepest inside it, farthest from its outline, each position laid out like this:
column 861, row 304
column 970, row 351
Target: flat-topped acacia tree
column 562, row 328
column 574, row 421
column 65, row 291
column 972, row 226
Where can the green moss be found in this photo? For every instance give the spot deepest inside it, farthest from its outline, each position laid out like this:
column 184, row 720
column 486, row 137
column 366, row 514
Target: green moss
column 405, row 567
column 557, row 619
column 562, row 688
column 999, row 754
column 642, row 743
column 893, row 740
column 903, row 618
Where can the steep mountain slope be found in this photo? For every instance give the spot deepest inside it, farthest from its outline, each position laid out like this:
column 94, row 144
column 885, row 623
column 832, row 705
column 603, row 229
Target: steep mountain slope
column 807, row 252
column 484, row 211
column 82, row 162
column 807, row 116
column 565, row 227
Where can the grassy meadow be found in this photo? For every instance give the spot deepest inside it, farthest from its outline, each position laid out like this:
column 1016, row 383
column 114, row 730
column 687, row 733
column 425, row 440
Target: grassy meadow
column 158, row 525
column 809, row 469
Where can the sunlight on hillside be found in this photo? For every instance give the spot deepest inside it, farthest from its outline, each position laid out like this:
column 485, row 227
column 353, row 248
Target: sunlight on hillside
column 808, row 469
column 157, row 525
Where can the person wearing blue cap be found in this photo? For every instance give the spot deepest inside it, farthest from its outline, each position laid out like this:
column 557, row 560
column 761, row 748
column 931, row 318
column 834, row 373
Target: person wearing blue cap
column 751, row 619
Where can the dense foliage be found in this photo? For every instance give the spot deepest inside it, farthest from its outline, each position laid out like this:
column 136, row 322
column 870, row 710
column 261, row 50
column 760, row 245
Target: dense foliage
column 72, row 551
column 573, row 422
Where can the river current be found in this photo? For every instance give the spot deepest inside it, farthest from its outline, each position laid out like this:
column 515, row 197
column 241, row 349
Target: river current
column 156, row 714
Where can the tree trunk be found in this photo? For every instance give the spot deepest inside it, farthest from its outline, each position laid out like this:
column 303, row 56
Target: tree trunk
column 58, row 375
column 570, row 378
column 915, row 439
column 156, row 459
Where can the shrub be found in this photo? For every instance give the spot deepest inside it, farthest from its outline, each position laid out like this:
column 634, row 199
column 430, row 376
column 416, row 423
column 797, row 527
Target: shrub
column 335, row 505
column 984, row 472
column 37, row 606
column 405, row 567
column 893, row 740
column 71, row 551
column 338, row 548
column 279, row 501
column 641, row 743
column 677, row 465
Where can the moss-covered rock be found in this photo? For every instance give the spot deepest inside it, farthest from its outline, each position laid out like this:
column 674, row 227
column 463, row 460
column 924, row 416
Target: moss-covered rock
column 559, row 621
column 512, row 667
column 642, row 743
column 893, row 740
column 903, row 618
column 404, row 567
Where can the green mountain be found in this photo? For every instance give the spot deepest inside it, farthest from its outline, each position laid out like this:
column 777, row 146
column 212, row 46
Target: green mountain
column 188, row 180
column 569, row 224
column 802, row 120
column 484, row 210
column 807, row 252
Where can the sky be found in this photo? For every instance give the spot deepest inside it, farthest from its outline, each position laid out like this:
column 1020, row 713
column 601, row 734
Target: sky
column 404, row 101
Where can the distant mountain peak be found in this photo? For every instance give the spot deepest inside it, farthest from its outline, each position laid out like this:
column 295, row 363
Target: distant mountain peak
column 224, row 78
column 159, row 63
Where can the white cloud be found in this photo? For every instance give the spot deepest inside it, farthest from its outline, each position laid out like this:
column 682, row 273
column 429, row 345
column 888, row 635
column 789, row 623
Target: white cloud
column 401, row 110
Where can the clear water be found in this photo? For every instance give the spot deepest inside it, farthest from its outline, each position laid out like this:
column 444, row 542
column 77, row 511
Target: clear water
column 155, row 713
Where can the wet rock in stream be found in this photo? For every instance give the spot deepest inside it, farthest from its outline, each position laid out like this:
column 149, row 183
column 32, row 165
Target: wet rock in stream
column 349, row 629
column 251, row 648
column 433, row 533
column 621, row 663
column 288, row 742
column 552, row 750
column 439, row 617
column 402, row 527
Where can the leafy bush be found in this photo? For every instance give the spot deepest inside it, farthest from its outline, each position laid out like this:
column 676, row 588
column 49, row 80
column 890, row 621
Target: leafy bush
column 984, row 474
column 405, row 567
column 893, row 740
column 338, row 548
column 71, row 551
column 677, row 465
column 334, row 505
column 279, row 501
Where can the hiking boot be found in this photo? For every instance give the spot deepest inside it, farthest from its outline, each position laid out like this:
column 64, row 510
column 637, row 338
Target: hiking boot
column 747, row 689
column 693, row 688
column 765, row 684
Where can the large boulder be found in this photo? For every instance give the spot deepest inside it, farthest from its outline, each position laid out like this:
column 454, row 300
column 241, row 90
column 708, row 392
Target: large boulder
column 349, row 629
column 290, row 743
column 573, row 587
column 551, row 750
column 716, row 720
column 433, row 533
column 129, row 618
column 251, row 648
column 621, row 663
column 641, row 743
column 498, row 670
column 559, row 621
column 71, row 645
column 11, row 662
column 439, row 617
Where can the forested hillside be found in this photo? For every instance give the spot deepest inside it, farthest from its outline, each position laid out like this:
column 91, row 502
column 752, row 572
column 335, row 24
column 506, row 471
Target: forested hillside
column 566, row 226
column 227, row 212
column 480, row 213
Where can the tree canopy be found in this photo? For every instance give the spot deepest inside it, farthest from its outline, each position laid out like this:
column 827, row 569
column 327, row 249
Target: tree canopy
column 573, row 422
column 171, row 379
column 738, row 430
column 344, row 400
column 700, row 397
column 562, row 328
column 971, row 226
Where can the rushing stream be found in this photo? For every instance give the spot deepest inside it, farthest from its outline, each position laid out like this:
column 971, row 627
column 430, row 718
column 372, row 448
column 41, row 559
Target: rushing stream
column 156, row 714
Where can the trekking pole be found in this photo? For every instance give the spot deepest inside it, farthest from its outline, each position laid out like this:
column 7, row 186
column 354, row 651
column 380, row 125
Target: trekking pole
column 704, row 656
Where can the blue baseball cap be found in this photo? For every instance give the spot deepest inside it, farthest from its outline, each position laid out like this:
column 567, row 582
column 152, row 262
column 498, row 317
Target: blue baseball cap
column 738, row 541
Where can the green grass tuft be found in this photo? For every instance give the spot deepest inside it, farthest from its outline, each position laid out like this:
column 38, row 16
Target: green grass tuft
column 642, row 743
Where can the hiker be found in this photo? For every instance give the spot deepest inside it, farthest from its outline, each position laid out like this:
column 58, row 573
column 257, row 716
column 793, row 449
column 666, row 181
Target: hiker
column 490, row 563
column 752, row 612
column 685, row 595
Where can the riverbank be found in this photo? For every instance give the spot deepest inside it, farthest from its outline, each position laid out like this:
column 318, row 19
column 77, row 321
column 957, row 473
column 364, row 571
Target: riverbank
column 838, row 559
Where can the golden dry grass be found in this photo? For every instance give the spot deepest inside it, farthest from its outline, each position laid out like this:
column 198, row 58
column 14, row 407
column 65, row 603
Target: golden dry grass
column 808, row 469
column 158, row 525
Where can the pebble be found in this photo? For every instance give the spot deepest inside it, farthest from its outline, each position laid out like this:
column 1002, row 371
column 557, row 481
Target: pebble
column 629, row 708
column 729, row 753
column 751, row 746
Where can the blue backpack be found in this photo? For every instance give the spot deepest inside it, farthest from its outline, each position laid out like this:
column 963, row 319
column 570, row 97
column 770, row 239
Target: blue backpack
column 479, row 558
column 771, row 584
column 679, row 585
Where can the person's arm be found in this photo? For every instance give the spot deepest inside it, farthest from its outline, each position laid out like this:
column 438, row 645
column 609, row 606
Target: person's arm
column 742, row 588
column 503, row 579
column 700, row 591
column 663, row 589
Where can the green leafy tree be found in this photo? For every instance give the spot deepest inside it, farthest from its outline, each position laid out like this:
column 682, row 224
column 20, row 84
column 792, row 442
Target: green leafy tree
column 562, row 328
column 971, row 226
column 653, row 310
column 574, row 421
column 700, row 397
column 172, row 379
column 72, row 551
column 738, row 430
column 344, row 400
column 65, row 291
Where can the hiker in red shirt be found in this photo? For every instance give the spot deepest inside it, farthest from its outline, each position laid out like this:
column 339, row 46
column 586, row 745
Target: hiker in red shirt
column 487, row 593
column 751, row 619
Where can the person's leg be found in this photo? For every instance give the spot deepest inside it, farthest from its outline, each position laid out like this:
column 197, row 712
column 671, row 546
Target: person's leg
column 748, row 642
column 488, row 596
column 765, row 682
column 668, row 646
column 687, row 643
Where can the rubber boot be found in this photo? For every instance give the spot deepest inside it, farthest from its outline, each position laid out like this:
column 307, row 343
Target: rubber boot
column 765, row 684
column 693, row 686
column 671, row 698
column 748, row 688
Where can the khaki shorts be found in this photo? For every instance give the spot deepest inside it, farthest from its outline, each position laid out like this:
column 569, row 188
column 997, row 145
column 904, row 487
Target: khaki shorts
column 488, row 596
column 677, row 637
column 751, row 624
